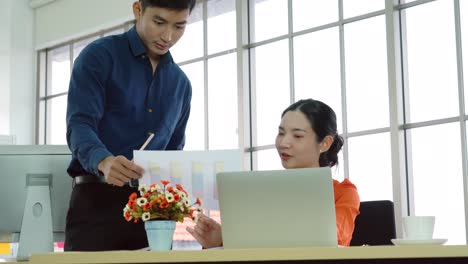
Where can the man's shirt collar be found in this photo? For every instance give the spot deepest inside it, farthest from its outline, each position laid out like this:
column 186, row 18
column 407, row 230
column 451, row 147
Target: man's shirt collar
column 138, row 48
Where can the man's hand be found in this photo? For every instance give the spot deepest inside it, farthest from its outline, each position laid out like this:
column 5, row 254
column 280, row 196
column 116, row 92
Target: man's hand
column 119, row 170
column 207, row 232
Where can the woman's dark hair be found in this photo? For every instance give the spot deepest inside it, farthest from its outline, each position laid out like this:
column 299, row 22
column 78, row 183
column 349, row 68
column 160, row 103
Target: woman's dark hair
column 323, row 121
column 170, row 4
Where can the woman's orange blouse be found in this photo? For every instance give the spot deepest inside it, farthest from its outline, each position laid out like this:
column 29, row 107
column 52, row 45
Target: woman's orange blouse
column 347, row 208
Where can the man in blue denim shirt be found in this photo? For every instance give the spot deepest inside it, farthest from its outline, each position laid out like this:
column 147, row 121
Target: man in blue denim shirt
column 122, row 89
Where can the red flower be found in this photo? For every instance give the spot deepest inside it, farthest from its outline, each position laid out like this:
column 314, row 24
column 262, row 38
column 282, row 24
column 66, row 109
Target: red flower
column 179, row 187
column 164, row 182
column 128, row 216
column 191, row 212
column 131, row 203
column 176, row 197
column 147, row 206
column 170, row 189
column 198, row 201
column 164, row 204
column 146, row 195
column 133, row 196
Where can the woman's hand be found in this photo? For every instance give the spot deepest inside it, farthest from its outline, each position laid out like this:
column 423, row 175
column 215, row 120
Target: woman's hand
column 207, row 232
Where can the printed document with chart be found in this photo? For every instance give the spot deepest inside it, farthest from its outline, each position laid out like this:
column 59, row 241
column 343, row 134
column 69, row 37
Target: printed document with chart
column 194, row 170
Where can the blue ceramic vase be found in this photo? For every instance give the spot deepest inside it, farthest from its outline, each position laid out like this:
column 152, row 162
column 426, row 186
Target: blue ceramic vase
column 160, row 234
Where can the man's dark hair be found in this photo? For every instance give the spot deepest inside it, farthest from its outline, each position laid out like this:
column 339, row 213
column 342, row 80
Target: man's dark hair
column 169, row 4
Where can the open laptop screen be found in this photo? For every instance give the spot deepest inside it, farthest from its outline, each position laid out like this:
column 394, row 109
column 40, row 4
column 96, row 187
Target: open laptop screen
column 281, row 208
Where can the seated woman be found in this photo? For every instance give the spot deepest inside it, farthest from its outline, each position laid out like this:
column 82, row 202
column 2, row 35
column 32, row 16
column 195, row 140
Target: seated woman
column 307, row 138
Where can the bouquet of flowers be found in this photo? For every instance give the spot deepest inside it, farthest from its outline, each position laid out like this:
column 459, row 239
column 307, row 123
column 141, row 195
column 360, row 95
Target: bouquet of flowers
column 161, row 202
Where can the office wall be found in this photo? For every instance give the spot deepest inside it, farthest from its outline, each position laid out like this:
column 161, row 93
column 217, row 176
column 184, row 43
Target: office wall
column 5, row 26
column 17, row 66
column 63, row 20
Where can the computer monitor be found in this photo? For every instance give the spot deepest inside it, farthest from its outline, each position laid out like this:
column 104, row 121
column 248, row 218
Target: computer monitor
column 34, row 195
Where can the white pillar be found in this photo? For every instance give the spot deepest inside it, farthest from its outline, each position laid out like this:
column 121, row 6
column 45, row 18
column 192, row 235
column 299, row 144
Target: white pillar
column 22, row 72
column 5, row 28
column 17, row 71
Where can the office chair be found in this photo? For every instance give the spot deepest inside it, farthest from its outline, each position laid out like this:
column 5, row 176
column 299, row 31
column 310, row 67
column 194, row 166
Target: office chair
column 375, row 225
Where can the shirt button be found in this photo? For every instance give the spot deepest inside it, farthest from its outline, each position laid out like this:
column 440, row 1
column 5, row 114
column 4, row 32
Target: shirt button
column 150, row 110
column 143, row 56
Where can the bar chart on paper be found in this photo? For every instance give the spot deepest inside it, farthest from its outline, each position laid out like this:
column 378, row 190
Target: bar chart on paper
column 194, row 170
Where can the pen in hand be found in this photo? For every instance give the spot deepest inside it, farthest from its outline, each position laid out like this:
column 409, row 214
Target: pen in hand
column 134, row 182
column 148, row 140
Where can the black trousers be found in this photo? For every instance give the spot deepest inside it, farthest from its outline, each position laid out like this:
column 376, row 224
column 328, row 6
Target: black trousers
column 95, row 220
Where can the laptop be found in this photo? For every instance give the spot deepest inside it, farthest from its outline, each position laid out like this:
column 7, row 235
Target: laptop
column 277, row 209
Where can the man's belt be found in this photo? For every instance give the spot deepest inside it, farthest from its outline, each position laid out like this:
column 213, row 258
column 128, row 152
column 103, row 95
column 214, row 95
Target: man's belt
column 89, row 179
column 83, row 179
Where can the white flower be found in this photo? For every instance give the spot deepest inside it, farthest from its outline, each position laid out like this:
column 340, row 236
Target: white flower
column 195, row 218
column 182, row 195
column 154, row 188
column 141, row 201
column 145, row 216
column 126, row 208
column 169, row 197
column 186, row 202
column 180, row 206
column 143, row 189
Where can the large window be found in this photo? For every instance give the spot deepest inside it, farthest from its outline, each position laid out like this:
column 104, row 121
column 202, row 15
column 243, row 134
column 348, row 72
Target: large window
column 248, row 60
column 432, row 61
column 437, row 169
column 272, row 83
column 317, row 68
column 55, row 70
column 464, row 35
column 434, row 121
column 58, row 76
column 366, row 74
